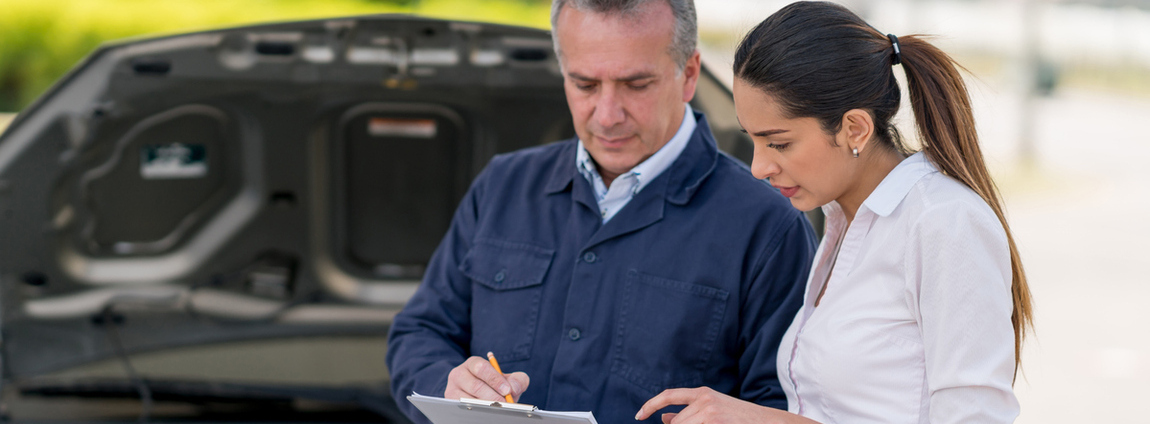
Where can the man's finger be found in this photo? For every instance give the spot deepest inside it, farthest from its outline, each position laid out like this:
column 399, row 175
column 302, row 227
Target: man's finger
column 478, row 389
column 483, row 370
column 519, row 382
column 667, row 398
column 462, row 382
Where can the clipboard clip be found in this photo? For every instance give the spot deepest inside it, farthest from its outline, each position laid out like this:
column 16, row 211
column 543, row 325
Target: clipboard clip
column 496, row 404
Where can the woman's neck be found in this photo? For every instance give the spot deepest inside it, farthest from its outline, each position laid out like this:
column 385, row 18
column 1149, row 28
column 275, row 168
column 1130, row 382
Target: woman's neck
column 875, row 167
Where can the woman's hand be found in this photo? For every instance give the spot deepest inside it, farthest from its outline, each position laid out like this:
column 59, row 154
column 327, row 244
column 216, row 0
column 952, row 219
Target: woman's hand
column 705, row 405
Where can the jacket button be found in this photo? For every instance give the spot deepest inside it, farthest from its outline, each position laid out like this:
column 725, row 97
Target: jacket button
column 589, row 257
column 500, row 276
column 574, row 334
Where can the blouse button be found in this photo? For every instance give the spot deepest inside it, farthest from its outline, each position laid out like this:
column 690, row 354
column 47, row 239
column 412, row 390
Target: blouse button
column 589, row 257
column 500, row 276
column 574, row 334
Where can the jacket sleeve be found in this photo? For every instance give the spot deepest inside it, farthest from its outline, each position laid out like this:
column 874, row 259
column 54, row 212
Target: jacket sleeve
column 431, row 335
column 774, row 297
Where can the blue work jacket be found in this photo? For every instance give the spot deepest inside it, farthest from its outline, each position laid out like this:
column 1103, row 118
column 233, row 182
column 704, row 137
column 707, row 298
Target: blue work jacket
column 693, row 283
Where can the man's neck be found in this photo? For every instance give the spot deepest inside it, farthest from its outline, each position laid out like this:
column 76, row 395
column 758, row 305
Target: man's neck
column 607, row 176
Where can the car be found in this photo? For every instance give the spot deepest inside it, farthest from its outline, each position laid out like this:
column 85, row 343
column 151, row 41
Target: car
column 220, row 225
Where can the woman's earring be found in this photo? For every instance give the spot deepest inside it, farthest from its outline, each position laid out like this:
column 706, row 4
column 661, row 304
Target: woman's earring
column 856, row 152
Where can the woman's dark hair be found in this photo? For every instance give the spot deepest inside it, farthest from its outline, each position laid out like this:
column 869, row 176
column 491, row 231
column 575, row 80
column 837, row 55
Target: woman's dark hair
column 820, row 60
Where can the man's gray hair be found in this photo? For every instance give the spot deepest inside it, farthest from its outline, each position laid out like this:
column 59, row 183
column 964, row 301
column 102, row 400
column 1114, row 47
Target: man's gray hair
column 686, row 26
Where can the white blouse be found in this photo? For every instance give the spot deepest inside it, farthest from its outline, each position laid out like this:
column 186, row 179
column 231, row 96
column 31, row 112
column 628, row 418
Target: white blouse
column 914, row 326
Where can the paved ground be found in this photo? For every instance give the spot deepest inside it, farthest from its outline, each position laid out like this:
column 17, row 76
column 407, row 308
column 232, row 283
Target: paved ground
column 1081, row 222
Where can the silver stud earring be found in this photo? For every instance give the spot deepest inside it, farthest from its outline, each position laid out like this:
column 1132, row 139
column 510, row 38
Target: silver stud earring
column 855, row 152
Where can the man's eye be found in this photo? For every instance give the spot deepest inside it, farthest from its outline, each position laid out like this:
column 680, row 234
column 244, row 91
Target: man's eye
column 779, row 147
column 639, row 87
column 585, row 87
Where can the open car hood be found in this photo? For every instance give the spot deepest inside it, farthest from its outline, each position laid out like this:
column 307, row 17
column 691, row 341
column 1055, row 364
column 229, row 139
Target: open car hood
column 259, row 182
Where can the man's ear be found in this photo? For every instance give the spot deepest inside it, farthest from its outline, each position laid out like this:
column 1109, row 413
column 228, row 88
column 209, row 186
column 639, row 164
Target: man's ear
column 856, row 129
column 691, row 76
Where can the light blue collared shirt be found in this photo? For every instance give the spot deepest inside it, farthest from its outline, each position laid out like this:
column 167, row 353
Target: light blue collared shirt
column 624, row 187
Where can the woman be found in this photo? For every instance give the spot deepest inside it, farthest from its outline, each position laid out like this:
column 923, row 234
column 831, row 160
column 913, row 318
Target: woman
column 917, row 302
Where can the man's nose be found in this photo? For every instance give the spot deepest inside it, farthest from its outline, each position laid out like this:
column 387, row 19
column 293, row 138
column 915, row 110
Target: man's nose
column 764, row 167
column 609, row 108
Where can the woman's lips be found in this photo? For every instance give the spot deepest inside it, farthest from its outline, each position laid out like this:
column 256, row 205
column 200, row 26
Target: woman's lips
column 788, row 191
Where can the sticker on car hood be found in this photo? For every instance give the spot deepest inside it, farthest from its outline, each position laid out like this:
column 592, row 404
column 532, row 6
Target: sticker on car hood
column 173, row 161
column 398, row 127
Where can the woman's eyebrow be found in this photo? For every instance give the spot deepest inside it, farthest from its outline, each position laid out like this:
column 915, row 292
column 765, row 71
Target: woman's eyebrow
column 766, row 133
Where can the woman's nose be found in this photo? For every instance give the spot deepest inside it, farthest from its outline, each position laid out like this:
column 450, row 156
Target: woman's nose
column 763, row 167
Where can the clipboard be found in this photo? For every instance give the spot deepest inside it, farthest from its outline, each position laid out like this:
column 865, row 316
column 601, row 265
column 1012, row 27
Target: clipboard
column 475, row 411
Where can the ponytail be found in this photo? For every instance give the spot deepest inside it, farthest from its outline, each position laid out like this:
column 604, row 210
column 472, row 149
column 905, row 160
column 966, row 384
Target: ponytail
column 820, row 60
column 944, row 118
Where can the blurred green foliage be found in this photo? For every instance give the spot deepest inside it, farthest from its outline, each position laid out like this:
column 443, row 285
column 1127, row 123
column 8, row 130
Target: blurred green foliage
column 40, row 40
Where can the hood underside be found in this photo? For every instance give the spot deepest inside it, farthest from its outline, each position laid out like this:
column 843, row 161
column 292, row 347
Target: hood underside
column 268, row 181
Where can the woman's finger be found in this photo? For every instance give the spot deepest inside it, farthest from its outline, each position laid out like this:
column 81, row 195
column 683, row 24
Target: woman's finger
column 667, row 398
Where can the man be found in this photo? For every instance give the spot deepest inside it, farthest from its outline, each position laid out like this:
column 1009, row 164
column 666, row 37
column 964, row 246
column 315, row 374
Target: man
column 607, row 268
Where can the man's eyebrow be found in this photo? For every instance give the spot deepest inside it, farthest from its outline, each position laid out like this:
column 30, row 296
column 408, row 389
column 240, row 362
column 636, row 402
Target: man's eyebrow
column 637, row 77
column 576, row 75
column 766, row 133
column 629, row 78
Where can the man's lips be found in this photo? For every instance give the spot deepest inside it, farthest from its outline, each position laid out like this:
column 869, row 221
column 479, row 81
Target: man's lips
column 788, row 191
column 612, row 142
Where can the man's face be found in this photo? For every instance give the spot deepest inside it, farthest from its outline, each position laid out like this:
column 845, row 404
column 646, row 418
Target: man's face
column 625, row 91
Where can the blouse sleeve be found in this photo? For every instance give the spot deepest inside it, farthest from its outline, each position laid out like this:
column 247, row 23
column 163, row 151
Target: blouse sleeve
column 959, row 279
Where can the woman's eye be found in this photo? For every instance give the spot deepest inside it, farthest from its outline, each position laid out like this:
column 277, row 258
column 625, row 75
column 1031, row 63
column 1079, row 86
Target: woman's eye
column 778, row 147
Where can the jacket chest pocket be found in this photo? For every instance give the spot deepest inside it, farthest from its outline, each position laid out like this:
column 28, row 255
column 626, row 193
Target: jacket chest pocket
column 666, row 332
column 506, row 291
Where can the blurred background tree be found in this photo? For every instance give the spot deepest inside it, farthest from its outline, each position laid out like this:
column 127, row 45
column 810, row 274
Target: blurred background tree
column 41, row 40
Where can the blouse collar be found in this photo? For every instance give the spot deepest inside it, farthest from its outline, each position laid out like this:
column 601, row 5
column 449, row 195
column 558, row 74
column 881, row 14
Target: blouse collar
column 890, row 192
column 893, row 188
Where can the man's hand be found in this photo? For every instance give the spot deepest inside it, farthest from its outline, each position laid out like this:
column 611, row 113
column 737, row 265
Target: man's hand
column 705, row 405
column 477, row 379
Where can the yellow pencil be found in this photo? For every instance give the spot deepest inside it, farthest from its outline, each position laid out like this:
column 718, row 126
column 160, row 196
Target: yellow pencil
column 491, row 359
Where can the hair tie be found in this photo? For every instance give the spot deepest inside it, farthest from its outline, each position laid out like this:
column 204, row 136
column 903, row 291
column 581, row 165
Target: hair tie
column 897, row 51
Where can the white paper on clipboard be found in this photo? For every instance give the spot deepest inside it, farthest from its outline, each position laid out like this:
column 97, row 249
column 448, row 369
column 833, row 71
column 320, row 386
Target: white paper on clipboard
column 446, row 411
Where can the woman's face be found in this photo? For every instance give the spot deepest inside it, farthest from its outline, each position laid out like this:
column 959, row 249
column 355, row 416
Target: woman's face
column 806, row 164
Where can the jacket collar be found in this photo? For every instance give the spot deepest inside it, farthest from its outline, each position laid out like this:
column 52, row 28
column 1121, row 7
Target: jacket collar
column 683, row 178
column 563, row 171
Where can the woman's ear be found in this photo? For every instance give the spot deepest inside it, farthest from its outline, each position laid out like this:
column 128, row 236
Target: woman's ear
column 856, row 130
